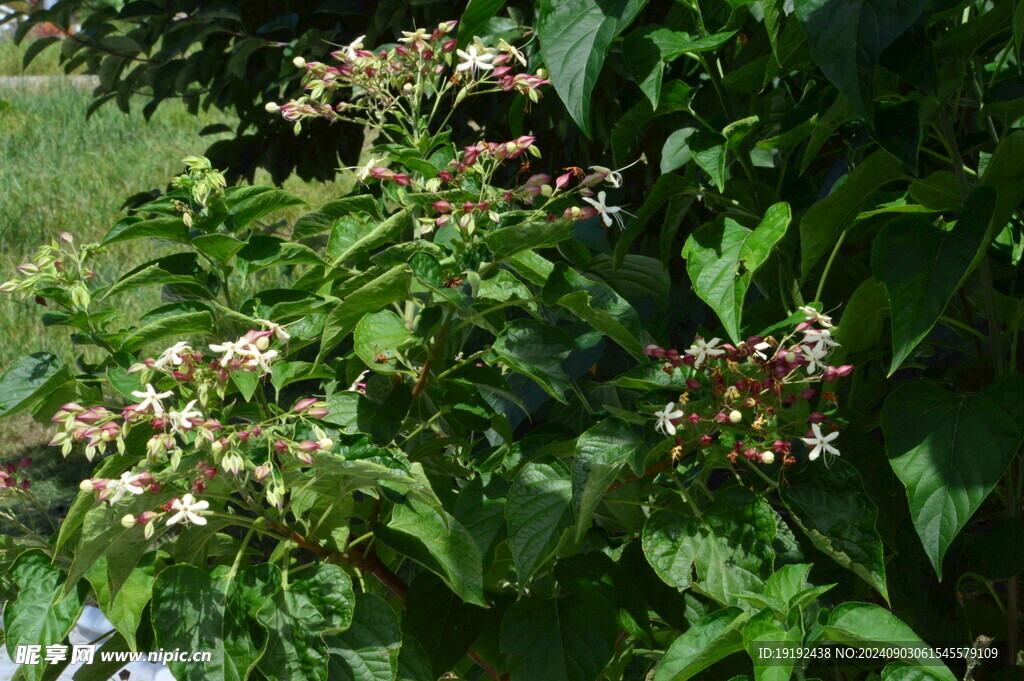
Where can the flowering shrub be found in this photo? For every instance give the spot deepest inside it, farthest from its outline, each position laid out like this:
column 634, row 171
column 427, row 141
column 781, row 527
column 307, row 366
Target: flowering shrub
column 428, row 433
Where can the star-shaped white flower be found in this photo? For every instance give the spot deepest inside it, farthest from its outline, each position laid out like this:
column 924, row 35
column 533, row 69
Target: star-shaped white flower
column 181, row 420
column 609, row 214
column 363, row 172
column 820, row 443
column 761, row 349
column 419, row 34
column 260, row 359
column 512, row 51
column 118, row 489
column 189, row 510
column 702, row 350
column 612, row 177
column 229, row 349
column 172, row 355
column 818, row 318
column 813, row 336
column 279, row 331
column 151, row 399
column 350, row 49
column 815, row 356
column 665, row 418
column 474, row 60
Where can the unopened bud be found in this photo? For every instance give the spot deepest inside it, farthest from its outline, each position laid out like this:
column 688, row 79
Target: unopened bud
column 272, row 107
column 768, row 457
column 735, row 416
column 299, row 62
column 128, row 521
column 86, row 485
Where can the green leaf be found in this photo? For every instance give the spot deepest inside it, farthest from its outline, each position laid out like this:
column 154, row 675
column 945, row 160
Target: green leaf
column 41, row 615
column 847, row 38
column 220, row 247
column 30, row 377
column 729, row 546
column 675, row 153
column 647, row 49
column 566, row 639
column 722, row 257
column 860, row 327
column 825, row 221
column 922, row 266
column 124, row 607
column 133, row 227
column 432, row 537
column 324, row 218
column 574, row 38
column 596, row 304
column 248, row 204
column 368, row 649
column 475, row 18
column 709, row 151
column 863, row 624
column 268, row 251
column 538, row 511
column 949, row 450
column 180, row 268
column 834, row 511
column 507, row 241
column 174, row 326
column 712, row 639
column 536, row 350
column 764, row 627
column 440, row 621
column 380, row 334
column 385, row 232
column 379, row 292
column 601, row 453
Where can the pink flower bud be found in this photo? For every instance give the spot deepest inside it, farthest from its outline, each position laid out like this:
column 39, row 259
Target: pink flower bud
column 816, row 417
column 304, row 404
column 280, row 446
column 442, row 206
column 318, row 413
column 308, row 446
column 695, row 418
column 261, row 472
column 705, row 440
column 807, row 394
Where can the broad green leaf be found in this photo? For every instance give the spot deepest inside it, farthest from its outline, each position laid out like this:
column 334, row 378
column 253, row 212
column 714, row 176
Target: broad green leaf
column 601, row 454
column 198, row 612
column 368, row 649
column 865, row 625
column 1005, row 172
column 124, row 606
column 381, row 291
column 537, row 350
column 133, row 227
column 440, row 621
column 826, row 220
column 574, row 38
column 385, row 232
column 324, row 218
column 949, row 450
column 836, row 514
column 596, row 304
column 180, row 268
column 860, row 327
column 28, row 378
column 764, row 627
column 722, row 257
column 712, row 639
column 481, row 509
column 901, row 671
column 268, row 251
column 475, row 18
column 923, row 265
column 675, row 97
column 507, row 241
column 380, row 334
column 538, row 511
column 174, row 326
column 709, row 152
column 248, row 204
column 41, row 615
column 317, row 602
column 647, row 49
column 433, row 538
column 675, row 153
column 729, row 546
column 847, row 38
column 565, row 639
column 940, row 191
column 220, row 247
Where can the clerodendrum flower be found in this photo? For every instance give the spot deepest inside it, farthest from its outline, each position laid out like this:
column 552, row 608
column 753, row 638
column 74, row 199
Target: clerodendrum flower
column 188, row 509
column 151, row 398
column 350, row 49
column 812, row 336
column 229, row 349
column 609, row 214
column 816, row 317
column 820, row 443
column 512, row 51
column 702, row 350
column 419, row 34
column 181, row 420
column 172, row 355
column 277, row 329
column 117, row 489
column 474, row 59
column 260, row 360
column 665, row 418
column 815, row 356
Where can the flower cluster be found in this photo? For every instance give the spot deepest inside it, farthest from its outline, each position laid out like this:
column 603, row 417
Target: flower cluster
column 12, row 475
column 742, row 400
column 60, row 269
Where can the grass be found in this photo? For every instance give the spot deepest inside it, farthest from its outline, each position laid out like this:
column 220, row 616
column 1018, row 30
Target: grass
column 60, row 171
column 47, row 63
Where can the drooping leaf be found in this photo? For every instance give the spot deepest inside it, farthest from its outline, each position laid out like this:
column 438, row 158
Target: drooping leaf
column 722, row 257
column 443, row 624
column 949, row 450
column 601, row 453
column 922, row 265
column 379, row 335
column 536, row 350
column 28, row 378
column 538, row 511
column 574, row 37
column 712, row 639
column 368, row 649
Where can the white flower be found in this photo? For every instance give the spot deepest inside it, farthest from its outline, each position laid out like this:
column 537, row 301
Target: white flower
column 816, row 317
column 260, row 360
column 172, row 355
column 473, row 59
column 608, row 213
column 151, row 398
column 665, row 418
column 350, row 49
column 188, row 509
column 180, row 420
column 278, row 330
column 813, row 336
column 117, row 489
column 363, row 172
column 761, row 348
column 512, row 51
column 480, row 47
column 357, row 385
column 702, row 350
column 815, row 356
column 229, row 349
column 820, row 442
column 612, row 177
column 413, row 36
